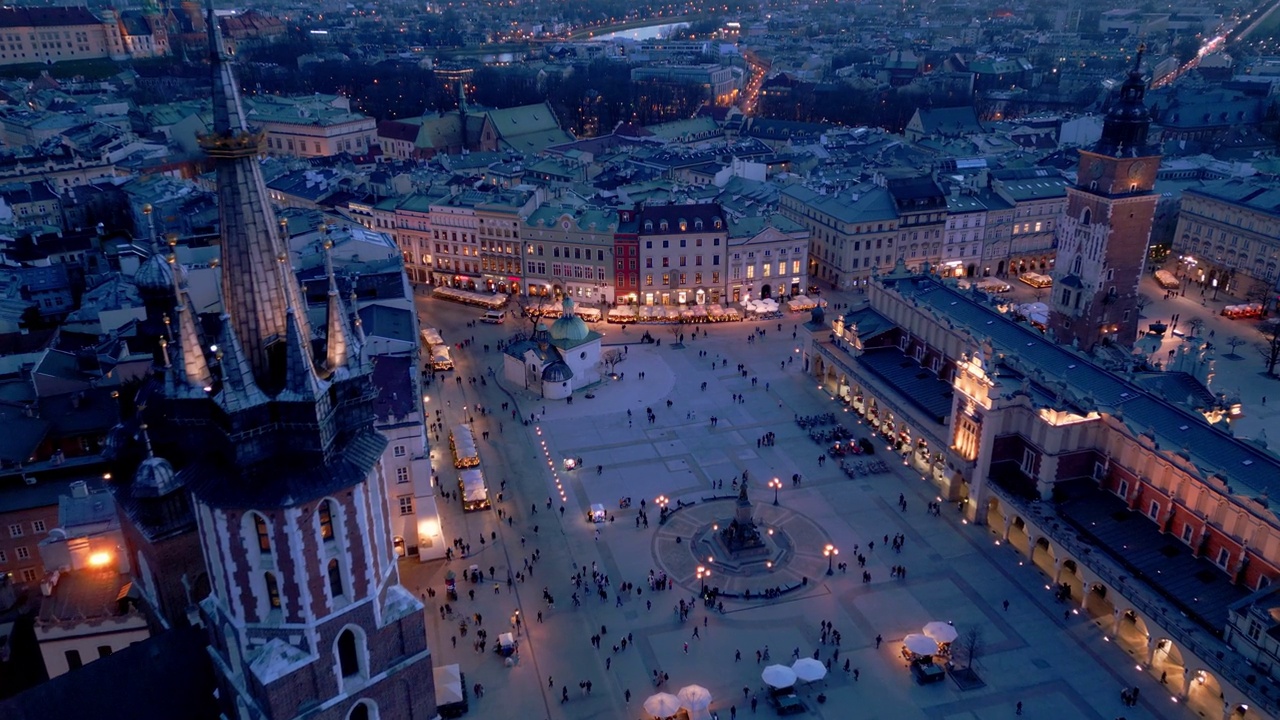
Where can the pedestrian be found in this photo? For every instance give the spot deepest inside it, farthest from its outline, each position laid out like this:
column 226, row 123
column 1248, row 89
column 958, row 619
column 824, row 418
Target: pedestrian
column 753, row 704
column 856, row 673
column 1006, row 606
column 1019, row 708
column 878, row 641
column 686, row 648
column 627, row 695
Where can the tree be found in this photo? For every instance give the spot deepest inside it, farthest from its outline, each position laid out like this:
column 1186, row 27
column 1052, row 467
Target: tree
column 677, row 333
column 531, row 308
column 1142, row 302
column 1234, row 341
column 1269, row 348
column 967, row 650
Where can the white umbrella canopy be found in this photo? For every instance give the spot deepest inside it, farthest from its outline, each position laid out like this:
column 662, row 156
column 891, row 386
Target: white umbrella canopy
column 778, row 676
column 662, row 705
column 920, row 644
column 942, row 632
column 694, row 698
column 808, row 669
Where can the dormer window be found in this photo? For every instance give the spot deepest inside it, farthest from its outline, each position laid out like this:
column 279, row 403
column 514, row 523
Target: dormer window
column 716, row 222
column 684, row 225
column 663, row 226
column 648, row 226
column 697, row 224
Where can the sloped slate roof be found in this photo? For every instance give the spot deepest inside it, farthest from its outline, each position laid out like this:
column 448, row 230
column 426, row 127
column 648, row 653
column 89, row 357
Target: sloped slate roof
column 1250, row 471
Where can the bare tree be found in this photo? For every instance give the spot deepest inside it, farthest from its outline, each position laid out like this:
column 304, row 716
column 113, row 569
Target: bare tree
column 1269, row 348
column 677, row 332
column 1234, row 341
column 1142, row 302
column 531, row 307
column 969, row 648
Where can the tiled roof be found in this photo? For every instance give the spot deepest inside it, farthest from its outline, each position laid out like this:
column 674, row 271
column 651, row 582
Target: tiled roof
column 1196, row 585
column 391, row 375
column 923, row 388
column 1248, row 470
column 46, row 17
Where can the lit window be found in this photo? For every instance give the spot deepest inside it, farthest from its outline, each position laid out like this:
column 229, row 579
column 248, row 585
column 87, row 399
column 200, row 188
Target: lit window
column 326, row 521
column 273, row 590
column 264, row 537
column 335, row 579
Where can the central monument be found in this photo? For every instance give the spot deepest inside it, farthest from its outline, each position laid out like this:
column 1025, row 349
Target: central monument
column 741, row 535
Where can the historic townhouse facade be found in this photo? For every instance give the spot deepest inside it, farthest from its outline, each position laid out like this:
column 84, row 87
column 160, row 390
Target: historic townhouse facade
column 922, row 216
column 1228, row 233
column 682, row 254
column 767, row 258
column 851, row 233
column 570, row 252
column 1038, row 198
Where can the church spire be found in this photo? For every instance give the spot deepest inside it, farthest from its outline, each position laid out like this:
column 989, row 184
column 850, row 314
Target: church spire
column 255, row 294
column 300, row 376
column 194, row 367
column 339, row 347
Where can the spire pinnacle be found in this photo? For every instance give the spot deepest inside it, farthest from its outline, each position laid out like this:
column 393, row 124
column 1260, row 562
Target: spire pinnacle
column 338, row 345
column 239, row 390
column 148, row 211
column 1137, row 60
column 300, row 370
column 146, row 439
column 195, row 367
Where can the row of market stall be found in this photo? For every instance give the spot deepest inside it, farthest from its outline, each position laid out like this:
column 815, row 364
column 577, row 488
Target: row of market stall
column 437, row 349
column 673, row 314
column 488, row 301
column 555, row 311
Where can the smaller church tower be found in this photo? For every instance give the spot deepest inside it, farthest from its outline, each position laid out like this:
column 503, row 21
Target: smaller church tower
column 1102, row 240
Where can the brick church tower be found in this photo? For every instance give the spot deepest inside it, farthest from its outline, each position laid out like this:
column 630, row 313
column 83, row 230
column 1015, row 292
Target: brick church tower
column 1102, row 240
column 273, row 438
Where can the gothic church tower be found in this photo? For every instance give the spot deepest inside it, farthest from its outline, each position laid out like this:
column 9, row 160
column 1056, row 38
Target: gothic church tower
column 274, row 438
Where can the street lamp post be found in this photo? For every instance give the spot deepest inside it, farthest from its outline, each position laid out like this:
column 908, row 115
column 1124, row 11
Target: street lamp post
column 662, row 501
column 703, row 574
column 831, row 551
column 776, row 484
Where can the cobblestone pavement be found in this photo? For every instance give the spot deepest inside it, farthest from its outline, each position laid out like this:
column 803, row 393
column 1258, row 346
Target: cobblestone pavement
column 1057, row 668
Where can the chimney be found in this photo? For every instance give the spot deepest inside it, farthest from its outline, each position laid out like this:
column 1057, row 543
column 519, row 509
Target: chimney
column 79, row 489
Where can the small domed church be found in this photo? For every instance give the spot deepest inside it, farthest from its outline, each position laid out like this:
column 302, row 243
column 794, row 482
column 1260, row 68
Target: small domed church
column 555, row 361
